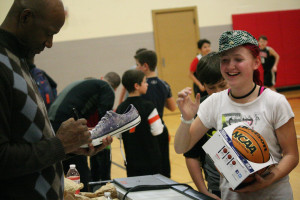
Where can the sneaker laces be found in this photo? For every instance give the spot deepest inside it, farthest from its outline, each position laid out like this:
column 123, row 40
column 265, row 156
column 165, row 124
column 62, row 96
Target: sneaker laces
column 101, row 122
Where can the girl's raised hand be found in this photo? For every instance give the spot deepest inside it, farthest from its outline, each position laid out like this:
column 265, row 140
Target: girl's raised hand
column 187, row 107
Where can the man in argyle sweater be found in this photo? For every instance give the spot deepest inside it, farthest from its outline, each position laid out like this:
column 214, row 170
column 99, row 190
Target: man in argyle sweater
column 30, row 152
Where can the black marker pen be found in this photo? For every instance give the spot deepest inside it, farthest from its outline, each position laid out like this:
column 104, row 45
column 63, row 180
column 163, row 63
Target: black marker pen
column 75, row 114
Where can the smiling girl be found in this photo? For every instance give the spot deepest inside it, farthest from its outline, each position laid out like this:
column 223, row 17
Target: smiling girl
column 267, row 112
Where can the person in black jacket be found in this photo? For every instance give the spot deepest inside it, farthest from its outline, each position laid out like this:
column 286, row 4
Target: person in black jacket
column 86, row 96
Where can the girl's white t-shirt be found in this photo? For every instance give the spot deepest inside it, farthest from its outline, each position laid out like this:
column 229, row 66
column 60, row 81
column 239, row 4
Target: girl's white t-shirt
column 265, row 114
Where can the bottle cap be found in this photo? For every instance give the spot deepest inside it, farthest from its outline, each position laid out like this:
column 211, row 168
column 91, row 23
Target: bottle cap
column 72, row 166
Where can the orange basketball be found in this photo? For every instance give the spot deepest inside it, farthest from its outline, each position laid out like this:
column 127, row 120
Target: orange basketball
column 252, row 146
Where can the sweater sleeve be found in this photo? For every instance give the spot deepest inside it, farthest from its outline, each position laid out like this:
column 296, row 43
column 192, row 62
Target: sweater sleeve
column 19, row 159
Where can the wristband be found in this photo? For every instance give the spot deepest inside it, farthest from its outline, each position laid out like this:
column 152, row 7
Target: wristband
column 186, row 121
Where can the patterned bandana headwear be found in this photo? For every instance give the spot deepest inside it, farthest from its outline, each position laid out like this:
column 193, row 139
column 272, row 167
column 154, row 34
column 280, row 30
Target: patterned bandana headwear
column 231, row 39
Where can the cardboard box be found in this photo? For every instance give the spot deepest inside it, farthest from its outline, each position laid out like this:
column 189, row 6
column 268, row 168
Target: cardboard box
column 234, row 167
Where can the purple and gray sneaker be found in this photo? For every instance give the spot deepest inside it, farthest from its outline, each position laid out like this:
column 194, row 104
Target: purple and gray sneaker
column 114, row 124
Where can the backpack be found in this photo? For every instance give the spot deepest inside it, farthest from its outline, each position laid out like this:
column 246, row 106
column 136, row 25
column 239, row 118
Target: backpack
column 47, row 90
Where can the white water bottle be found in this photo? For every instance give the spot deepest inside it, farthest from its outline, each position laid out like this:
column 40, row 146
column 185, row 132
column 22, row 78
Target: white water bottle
column 74, row 175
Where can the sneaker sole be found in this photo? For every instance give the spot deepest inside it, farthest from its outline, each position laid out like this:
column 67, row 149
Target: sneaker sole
column 126, row 127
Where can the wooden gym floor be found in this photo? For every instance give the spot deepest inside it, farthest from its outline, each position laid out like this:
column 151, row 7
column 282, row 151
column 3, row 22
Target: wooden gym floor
column 179, row 171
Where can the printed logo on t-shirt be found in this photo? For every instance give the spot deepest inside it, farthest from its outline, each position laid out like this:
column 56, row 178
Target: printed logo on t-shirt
column 232, row 118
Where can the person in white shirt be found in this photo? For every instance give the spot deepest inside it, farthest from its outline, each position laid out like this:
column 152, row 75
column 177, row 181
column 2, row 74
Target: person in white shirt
column 266, row 111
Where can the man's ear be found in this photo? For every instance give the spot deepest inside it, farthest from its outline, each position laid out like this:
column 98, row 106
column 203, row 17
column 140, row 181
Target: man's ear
column 26, row 16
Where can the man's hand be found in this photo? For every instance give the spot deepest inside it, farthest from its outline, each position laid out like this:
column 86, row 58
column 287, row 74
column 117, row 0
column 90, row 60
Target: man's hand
column 73, row 134
column 91, row 151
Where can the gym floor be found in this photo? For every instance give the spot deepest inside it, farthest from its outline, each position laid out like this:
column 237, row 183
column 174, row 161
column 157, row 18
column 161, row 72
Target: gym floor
column 179, row 171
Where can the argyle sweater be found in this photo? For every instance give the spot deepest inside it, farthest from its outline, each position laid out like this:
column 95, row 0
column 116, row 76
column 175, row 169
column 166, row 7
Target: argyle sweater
column 30, row 154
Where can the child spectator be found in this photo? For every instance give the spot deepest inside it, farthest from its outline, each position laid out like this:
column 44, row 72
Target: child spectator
column 159, row 93
column 269, row 60
column 204, row 49
column 271, row 113
column 141, row 145
column 209, row 74
column 124, row 94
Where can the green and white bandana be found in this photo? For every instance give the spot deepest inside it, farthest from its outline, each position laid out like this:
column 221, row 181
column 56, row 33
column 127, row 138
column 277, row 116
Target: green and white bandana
column 231, row 39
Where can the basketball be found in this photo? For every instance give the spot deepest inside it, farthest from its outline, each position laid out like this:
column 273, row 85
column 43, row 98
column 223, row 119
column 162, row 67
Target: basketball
column 252, row 146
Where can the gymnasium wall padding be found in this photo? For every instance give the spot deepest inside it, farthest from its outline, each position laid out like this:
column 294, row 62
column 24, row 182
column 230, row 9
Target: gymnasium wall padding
column 283, row 31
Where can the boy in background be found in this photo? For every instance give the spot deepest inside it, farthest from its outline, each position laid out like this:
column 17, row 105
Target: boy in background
column 269, row 60
column 208, row 73
column 124, row 94
column 141, row 144
column 159, row 93
column 204, row 49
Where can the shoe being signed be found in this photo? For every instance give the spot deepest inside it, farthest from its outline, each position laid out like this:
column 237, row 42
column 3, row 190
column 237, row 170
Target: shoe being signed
column 114, row 124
